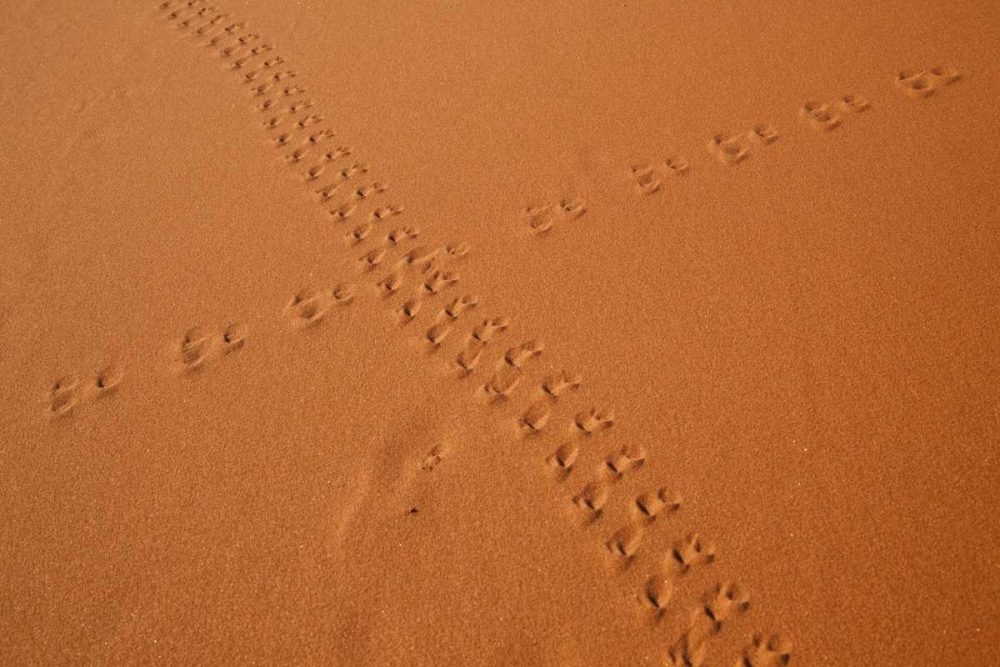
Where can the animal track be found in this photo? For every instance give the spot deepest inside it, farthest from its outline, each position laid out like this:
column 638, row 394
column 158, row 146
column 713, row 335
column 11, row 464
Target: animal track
column 309, row 306
column 654, row 503
column 626, row 541
column 926, row 82
column 592, row 498
column 68, row 393
column 772, row 651
column 593, row 420
column 625, row 458
column 518, row 355
column 690, row 552
column 558, row 384
column 196, row 347
column 536, row 418
column 821, row 117
column 295, row 125
column 542, row 219
column 649, row 178
column 729, row 149
column 722, row 603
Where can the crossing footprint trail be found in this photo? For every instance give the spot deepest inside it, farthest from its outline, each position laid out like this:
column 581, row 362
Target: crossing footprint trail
column 665, row 565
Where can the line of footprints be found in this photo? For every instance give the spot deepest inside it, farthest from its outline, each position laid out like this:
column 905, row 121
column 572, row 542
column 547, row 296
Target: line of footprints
column 393, row 263
column 733, row 148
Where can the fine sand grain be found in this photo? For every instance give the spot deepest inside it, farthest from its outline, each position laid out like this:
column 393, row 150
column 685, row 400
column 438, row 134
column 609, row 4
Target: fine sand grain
column 499, row 333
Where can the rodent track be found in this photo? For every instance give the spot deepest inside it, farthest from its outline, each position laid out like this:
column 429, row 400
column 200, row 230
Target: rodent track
column 393, row 266
column 543, row 218
column 68, row 393
column 198, row 348
column 926, row 82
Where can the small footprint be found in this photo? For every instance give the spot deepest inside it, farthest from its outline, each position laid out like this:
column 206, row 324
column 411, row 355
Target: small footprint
column 592, row 498
column 64, row 396
column 437, row 333
column 438, row 280
column 728, row 149
column 401, row 234
column 470, row 356
column 657, row 502
column 726, row 600
column 503, row 383
column 691, row 551
column 658, row 592
column 487, row 329
column 565, row 456
column 625, row 542
column 432, row 460
column 594, row 420
column 307, row 308
column 536, row 418
column 558, row 384
column 927, row 82
column 460, row 305
column 626, row 458
column 821, row 117
column 764, row 134
column 771, row 651
column 518, row 355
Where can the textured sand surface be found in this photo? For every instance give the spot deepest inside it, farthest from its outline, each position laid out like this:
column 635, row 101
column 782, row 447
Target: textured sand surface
column 440, row 333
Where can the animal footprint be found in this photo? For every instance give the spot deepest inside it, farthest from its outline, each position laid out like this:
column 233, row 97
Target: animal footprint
column 764, row 134
column 594, row 420
column 307, row 308
column 518, row 355
column 692, row 551
column 626, row 541
column 728, row 149
column 468, row 359
column 593, row 498
column 437, row 333
column 627, row 457
column 392, row 283
column 854, row 103
column 649, row 178
column 542, row 219
column 432, row 460
column 460, row 305
column 654, row 503
column 565, row 456
column 658, row 591
column 487, row 329
column 438, row 280
column 646, row 180
column 772, row 651
column 401, row 234
column 385, row 212
column 821, row 117
column 536, row 418
column 502, row 385
column 924, row 83
column 64, row 396
column 410, row 309
column 558, row 384
column 726, row 600
column 193, row 349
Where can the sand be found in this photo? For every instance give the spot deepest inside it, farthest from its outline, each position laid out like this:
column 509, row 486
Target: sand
column 565, row 333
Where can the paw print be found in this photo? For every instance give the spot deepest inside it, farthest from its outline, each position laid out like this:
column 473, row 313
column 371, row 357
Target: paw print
column 729, row 149
column 927, row 82
column 692, row 551
column 770, row 651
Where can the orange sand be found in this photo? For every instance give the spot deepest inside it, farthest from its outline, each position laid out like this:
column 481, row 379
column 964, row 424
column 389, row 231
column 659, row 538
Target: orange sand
column 564, row 333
